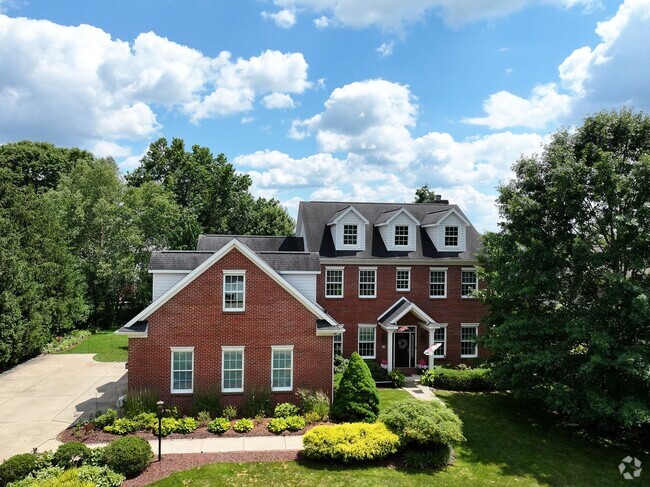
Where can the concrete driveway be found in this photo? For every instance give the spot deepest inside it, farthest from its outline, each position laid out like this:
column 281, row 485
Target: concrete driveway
column 42, row 397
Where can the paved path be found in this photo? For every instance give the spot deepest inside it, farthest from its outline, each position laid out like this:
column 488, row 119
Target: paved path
column 43, row 396
column 217, row 445
column 414, row 388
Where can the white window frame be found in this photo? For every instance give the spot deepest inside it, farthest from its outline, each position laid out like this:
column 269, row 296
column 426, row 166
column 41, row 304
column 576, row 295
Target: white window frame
column 443, row 327
column 337, row 339
column 356, row 235
column 225, row 349
column 281, row 348
column 439, row 269
column 467, row 326
column 468, row 269
column 444, row 236
column 335, row 296
column 408, row 236
column 374, row 271
column 374, row 340
column 230, row 273
column 408, row 280
column 171, row 384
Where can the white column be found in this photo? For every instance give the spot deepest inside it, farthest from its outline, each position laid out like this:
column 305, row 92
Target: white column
column 431, row 334
column 390, row 349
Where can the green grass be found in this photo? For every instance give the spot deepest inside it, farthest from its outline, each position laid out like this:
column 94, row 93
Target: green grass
column 508, row 443
column 389, row 396
column 107, row 346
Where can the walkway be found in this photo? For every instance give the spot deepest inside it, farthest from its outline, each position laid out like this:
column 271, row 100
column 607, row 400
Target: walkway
column 43, row 396
column 414, row 388
column 218, row 445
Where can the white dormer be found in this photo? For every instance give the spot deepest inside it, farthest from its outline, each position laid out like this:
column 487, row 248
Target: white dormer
column 348, row 228
column 447, row 229
column 398, row 228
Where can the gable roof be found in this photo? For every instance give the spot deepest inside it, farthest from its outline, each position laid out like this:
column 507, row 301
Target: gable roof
column 315, row 215
column 341, row 213
column 435, row 218
column 388, row 216
column 318, row 312
column 400, row 309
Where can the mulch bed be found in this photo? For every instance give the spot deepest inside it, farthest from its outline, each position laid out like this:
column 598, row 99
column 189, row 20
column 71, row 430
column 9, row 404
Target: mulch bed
column 176, row 462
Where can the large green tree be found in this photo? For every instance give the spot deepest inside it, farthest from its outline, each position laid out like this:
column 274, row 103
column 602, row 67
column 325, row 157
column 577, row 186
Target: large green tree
column 568, row 275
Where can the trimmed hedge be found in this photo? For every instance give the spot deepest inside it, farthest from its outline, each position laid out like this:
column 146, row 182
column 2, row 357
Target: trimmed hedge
column 72, row 454
column 128, row 456
column 458, row 380
column 350, row 442
column 16, row 467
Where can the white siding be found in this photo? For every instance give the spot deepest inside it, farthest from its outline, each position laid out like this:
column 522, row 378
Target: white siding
column 164, row 281
column 387, row 233
column 437, row 234
column 350, row 218
column 304, row 283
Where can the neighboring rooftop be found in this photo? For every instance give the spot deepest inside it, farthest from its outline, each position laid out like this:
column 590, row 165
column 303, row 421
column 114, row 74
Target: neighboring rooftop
column 256, row 243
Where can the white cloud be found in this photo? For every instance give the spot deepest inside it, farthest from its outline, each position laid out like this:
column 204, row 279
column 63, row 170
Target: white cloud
column 386, row 49
column 75, row 85
column 104, row 148
column 285, row 18
column 278, row 101
column 321, row 22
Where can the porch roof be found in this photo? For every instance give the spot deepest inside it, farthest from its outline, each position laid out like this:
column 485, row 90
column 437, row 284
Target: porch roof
column 401, row 308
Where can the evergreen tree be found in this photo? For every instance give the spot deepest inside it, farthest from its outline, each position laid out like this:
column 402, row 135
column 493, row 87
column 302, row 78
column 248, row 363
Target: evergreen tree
column 357, row 398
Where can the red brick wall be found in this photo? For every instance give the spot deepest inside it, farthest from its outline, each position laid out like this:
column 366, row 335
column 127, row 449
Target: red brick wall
column 194, row 317
column 352, row 310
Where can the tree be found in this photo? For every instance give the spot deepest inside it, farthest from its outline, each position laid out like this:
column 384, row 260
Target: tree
column 568, row 280
column 357, row 398
column 425, row 195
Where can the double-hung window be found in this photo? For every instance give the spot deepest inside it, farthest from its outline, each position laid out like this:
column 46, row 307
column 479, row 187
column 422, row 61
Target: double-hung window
column 451, row 236
column 334, row 282
column 440, row 336
column 403, row 279
column 401, row 235
column 350, row 234
column 182, row 370
column 468, row 336
column 366, row 336
column 468, row 283
column 232, row 369
column 437, row 282
column 234, row 290
column 282, row 368
column 338, row 344
column 367, row 282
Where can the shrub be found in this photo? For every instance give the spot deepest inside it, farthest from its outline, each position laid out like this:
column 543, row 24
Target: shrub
column 350, row 442
column 206, row 399
column 128, row 456
column 357, row 398
column 285, row 409
column 203, row 419
column 295, row 423
column 423, row 422
column 340, row 364
column 397, row 377
column 96, row 457
column 258, row 399
column 377, row 371
column 434, row 456
column 72, row 454
column 66, row 478
column 16, row 467
column 106, row 419
column 167, row 426
column 458, row 380
column 243, row 425
column 186, row 425
column 277, row 425
column 230, row 412
column 122, row 426
column 314, row 402
column 100, row 476
column 219, row 426
column 312, row 417
column 140, row 401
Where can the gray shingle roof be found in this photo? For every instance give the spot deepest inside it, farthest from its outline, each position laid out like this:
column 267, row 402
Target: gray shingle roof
column 396, row 310
column 256, row 243
column 384, row 216
column 316, row 214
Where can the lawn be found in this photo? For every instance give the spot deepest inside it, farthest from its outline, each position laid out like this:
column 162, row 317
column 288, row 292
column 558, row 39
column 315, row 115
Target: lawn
column 508, row 444
column 107, row 346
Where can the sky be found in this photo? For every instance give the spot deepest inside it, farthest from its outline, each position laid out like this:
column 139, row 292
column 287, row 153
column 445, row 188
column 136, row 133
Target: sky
column 347, row 100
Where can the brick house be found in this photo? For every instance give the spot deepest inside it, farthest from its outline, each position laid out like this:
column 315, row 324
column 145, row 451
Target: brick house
column 387, row 280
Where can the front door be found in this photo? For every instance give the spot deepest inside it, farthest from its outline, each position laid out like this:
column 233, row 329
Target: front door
column 404, row 353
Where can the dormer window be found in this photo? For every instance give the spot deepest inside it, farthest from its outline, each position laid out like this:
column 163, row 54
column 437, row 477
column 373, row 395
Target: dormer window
column 350, row 234
column 401, row 235
column 451, row 236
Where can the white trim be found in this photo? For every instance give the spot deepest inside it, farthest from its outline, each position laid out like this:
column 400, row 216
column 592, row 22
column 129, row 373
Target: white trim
column 391, row 261
column 361, row 326
column 439, row 269
column 411, row 307
column 170, row 271
column 350, row 208
column 171, row 366
column 230, row 273
column 255, row 259
column 450, row 212
column 315, row 273
column 398, row 212
column 403, row 269
column 367, row 296
column 443, row 327
column 408, row 237
column 350, row 246
column 334, row 296
column 468, row 325
column 237, row 348
column 281, row 348
column 468, row 269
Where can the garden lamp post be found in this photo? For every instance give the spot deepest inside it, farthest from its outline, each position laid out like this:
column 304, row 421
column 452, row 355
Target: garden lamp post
column 160, row 415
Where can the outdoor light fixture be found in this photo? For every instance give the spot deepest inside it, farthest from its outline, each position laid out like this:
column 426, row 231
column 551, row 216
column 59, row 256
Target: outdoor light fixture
column 160, row 415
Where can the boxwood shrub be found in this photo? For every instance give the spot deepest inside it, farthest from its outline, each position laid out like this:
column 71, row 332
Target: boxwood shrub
column 458, row 380
column 350, row 442
column 128, row 456
column 71, row 454
column 16, row 467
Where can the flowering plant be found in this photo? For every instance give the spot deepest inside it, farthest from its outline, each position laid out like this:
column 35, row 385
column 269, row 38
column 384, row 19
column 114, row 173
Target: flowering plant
column 384, row 364
column 421, row 366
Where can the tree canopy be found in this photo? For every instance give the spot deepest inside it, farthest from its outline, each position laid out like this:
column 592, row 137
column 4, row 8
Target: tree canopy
column 568, row 274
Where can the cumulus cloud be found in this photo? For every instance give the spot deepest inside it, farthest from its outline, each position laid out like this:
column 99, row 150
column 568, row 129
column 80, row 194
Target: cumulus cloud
column 386, row 49
column 77, row 85
column 321, row 22
column 284, row 18
column 278, row 101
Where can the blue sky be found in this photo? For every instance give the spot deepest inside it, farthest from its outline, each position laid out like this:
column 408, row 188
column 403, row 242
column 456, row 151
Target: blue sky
column 324, row 99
